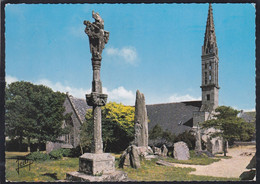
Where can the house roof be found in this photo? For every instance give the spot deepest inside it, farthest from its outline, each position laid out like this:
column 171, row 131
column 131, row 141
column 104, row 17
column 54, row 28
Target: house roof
column 175, row 117
column 248, row 116
column 80, row 106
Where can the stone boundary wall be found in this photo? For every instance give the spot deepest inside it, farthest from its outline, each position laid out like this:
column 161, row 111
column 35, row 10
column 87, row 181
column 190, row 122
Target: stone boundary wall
column 239, row 143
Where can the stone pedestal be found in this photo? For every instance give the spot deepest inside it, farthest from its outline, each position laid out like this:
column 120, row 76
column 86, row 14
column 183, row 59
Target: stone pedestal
column 79, row 176
column 97, row 164
column 95, row 167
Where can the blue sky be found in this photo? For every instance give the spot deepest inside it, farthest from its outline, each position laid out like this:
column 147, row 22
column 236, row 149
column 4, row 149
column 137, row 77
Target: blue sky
column 155, row 48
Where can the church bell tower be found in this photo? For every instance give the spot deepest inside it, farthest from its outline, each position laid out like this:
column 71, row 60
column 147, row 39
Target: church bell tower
column 209, row 58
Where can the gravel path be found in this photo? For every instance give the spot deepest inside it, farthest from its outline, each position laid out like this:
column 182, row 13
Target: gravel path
column 230, row 168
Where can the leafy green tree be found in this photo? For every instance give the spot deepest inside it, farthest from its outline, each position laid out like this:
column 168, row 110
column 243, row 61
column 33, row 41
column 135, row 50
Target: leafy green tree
column 187, row 137
column 34, row 112
column 156, row 132
column 230, row 126
column 163, row 137
column 117, row 127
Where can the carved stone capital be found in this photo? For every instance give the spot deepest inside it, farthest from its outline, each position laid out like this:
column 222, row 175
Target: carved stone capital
column 96, row 63
column 96, row 99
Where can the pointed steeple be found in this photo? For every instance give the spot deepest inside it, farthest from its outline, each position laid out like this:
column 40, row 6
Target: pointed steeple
column 209, row 63
column 210, row 42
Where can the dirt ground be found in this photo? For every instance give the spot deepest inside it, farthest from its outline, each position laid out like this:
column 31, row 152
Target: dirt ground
column 232, row 167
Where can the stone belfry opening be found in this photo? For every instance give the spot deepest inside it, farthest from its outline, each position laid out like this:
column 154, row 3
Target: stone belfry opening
column 209, row 61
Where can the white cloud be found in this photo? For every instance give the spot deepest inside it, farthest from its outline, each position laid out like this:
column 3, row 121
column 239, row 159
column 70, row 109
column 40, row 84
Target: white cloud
column 127, row 54
column 9, row 79
column 119, row 95
column 122, row 95
column 179, row 98
column 76, row 92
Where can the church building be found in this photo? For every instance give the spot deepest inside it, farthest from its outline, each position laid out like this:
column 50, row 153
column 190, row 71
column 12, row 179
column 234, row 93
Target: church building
column 184, row 116
column 174, row 117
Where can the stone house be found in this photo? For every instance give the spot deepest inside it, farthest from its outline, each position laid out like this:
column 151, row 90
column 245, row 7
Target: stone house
column 77, row 107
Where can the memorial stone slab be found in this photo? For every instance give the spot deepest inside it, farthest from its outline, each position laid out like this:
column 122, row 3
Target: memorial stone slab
column 181, row 151
column 164, row 151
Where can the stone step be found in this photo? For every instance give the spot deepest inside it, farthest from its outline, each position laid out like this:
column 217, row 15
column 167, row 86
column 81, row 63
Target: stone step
column 80, row 176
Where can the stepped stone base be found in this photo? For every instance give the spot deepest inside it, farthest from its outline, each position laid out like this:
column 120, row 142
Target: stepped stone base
column 80, row 176
column 96, row 164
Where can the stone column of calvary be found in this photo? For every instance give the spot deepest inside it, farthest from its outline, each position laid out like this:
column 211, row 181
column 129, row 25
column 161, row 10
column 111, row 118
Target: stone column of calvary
column 97, row 40
column 96, row 162
column 96, row 166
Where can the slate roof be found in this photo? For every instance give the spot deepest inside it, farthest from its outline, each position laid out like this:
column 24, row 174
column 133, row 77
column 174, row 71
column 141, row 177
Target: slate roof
column 248, row 116
column 80, row 106
column 175, row 117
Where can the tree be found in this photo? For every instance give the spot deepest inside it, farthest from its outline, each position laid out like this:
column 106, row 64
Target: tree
column 187, row 137
column 156, row 132
column 117, row 127
column 34, row 112
column 229, row 126
column 160, row 136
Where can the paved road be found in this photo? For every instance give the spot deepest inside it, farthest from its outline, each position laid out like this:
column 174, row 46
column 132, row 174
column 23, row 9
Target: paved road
column 230, row 168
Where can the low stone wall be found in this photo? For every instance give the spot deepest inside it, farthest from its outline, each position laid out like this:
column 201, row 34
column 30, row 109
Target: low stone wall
column 239, row 143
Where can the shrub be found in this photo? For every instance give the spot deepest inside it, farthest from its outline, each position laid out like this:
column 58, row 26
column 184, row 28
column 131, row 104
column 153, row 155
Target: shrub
column 75, row 152
column 38, row 156
column 56, row 154
column 13, row 145
column 188, row 138
column 65, row 152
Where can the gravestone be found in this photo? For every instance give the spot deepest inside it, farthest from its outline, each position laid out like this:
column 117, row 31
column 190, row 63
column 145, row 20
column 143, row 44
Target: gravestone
column 164, row 151
column 157, row 151
column 181, row 151
column 96, row 166
column 130, row 157
column 141, row 121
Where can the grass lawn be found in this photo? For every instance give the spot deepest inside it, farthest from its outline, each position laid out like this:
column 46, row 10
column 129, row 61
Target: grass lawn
column 197, row 160
column 150, row 171
column 49, row 170
column 52, row 170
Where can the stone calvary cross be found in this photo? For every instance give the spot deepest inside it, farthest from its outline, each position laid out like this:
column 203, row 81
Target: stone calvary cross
column 96, row 166
column 97, row 40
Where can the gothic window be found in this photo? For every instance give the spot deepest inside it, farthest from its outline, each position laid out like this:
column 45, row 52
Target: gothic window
column 208, row 97
column 210, row 76
column 210, row 67
column 68, row 138
column 206, row 80
column 206, row 65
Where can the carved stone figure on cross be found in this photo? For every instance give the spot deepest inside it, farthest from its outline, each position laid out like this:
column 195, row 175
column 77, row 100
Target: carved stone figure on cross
column 98, row 37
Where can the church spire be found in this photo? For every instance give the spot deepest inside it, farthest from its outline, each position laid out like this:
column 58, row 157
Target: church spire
column 210, row 42
column 209, row 61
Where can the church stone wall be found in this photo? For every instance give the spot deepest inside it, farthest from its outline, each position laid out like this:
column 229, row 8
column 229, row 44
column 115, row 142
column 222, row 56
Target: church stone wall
column 74, row 134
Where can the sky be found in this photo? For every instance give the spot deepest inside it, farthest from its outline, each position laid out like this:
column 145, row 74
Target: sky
column 155, row 48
